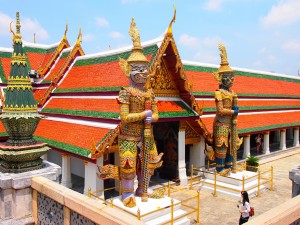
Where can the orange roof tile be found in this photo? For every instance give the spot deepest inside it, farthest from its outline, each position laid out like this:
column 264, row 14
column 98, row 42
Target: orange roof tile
column 46, row 59
column 246, row 85
column 251, row 104
column 35, row 59
column 98, row 75
column 257, row 122
column 56, row 69
column 81, row 136
column 103, row 105
column 6, row 66
column 38, row 93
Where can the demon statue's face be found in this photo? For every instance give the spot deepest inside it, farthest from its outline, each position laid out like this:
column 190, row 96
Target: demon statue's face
column 139, row 74
column 227, row 79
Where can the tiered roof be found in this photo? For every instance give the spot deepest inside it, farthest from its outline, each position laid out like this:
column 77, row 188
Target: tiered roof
column 264, row 98
column 81, row 101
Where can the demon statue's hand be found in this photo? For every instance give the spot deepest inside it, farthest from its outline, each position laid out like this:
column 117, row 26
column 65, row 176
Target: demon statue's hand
column 148, row 118
column 235, row 109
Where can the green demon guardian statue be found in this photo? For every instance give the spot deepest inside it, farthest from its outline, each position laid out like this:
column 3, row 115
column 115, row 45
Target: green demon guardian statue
column 138, row 110
column 225, row 138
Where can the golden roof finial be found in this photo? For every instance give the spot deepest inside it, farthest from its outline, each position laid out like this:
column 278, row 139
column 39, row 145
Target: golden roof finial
column 34, row 38
column 10, row 28
column 172, row 21
column 66, row 30
column 79, row 37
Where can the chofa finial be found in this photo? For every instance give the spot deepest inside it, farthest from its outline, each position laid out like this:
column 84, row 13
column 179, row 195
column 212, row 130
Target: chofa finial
column 172, row 21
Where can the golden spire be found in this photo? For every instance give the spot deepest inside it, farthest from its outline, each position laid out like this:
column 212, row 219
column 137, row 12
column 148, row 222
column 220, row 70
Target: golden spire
column 172, row 21
column 79, row 37
column 34, row 38
column 66, row 30
column 137, row 55
column 16, row 36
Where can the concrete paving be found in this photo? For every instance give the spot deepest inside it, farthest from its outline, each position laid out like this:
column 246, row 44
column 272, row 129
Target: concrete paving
column 223, row 209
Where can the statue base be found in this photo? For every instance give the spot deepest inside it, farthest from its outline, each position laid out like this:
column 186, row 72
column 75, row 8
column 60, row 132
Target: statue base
column 149, row 213
column 16, row 193
column 232, row 184
column 19, row 159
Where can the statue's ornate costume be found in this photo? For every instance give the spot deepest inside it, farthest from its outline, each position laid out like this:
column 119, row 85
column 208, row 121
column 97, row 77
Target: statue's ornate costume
column 225, row 139
column 138, row 109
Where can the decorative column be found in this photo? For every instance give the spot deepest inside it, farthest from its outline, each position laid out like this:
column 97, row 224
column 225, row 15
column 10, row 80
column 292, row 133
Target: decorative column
column 296, row 137
column 282, row 139
column 66, row 171
column 266, row 149
column 181, row 155
column 246, row 152
column 90, row 177
column 197, row 156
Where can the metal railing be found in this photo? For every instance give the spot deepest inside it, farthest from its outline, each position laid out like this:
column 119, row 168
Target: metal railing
column 263, row 176
column 195, row 208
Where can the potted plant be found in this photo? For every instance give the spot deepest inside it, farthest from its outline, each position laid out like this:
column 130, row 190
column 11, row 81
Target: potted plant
column 252, row 163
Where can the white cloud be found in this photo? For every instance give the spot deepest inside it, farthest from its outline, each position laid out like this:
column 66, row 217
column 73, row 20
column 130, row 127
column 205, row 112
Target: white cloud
column 102, row 22
column 291, row 46
column 284, row 13
column 258, row 64
column 4, row 24
column 262, row 50
column 189, row 41
column 88, row 37
column 211, row 42
column 207, row 57
column 116, row 35
column 214, row 5
column 28, row 27
column 273, row 59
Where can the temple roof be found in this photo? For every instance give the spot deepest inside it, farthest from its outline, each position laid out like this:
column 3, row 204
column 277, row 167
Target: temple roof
column 259, row 122
column 248, row 83
column 80, row 91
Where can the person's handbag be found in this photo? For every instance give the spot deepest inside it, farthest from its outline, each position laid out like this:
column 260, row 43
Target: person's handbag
column 251, row 213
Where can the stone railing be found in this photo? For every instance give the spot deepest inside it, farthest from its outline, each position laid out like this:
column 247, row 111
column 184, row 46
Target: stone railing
column 286, row 213
column 55, row 204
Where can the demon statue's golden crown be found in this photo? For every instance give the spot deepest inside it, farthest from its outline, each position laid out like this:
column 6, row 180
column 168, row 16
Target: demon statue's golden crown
column 224, row 66
column 137, row 55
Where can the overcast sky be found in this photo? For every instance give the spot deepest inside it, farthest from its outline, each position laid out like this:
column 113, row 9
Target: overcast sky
column 258, row 34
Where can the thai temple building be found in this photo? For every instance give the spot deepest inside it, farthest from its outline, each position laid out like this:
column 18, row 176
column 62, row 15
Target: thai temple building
column 76, row 93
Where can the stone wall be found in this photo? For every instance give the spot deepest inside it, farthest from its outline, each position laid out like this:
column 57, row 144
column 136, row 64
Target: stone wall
column 56, row 204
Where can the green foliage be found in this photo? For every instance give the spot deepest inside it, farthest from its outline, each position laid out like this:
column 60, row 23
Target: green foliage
column 252, row 161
